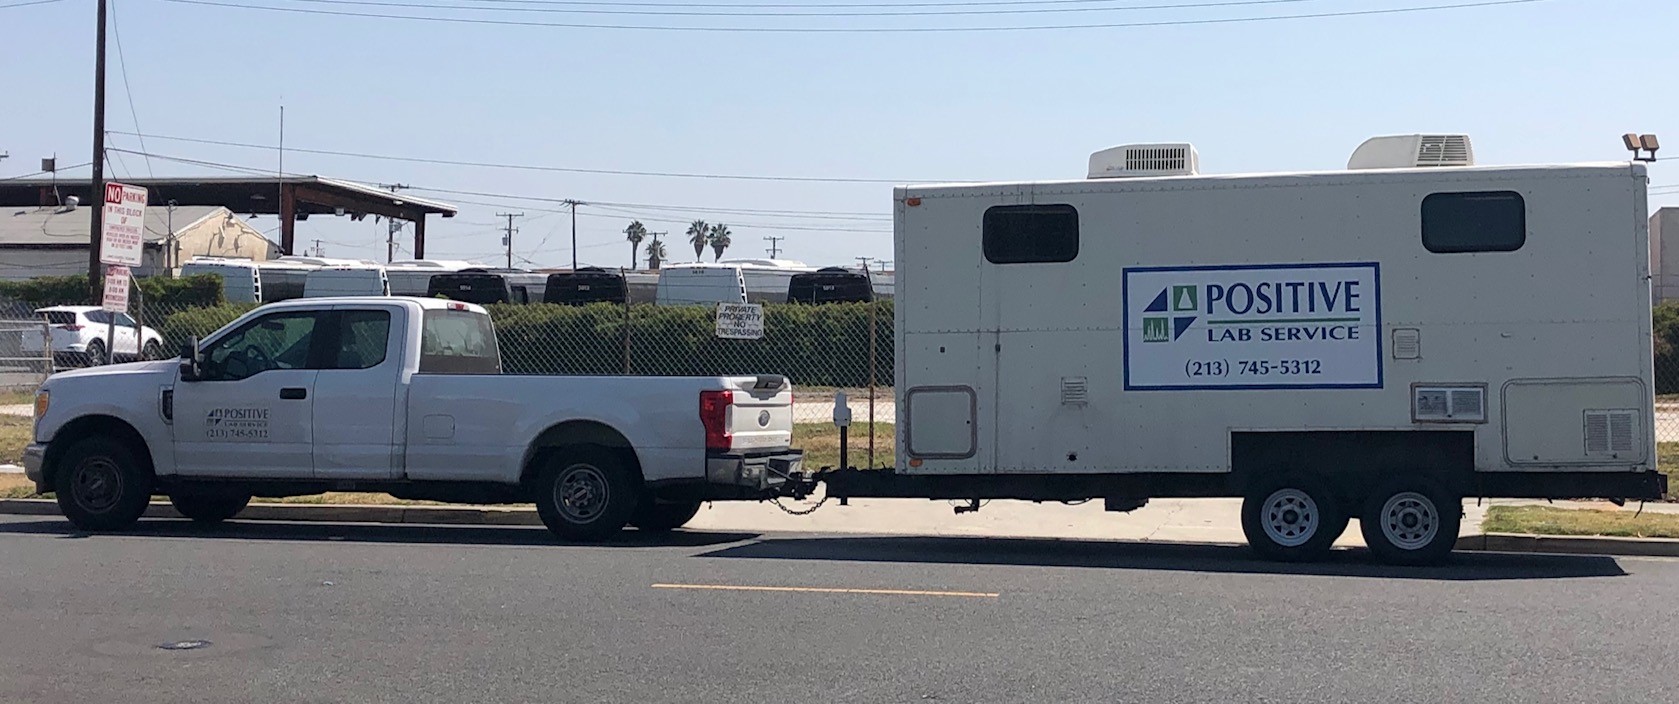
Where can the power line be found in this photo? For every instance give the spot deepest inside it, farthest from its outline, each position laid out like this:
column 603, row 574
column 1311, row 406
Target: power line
column 757, row 11
column 801, row 214
column 27, row 4
column 946, row 3
column 862, row 30
column 127, row 90
column 536, row 167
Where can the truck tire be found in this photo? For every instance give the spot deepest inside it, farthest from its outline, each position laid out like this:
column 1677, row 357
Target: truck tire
column 101, row 485
column 1292, row 518
column 651, row 517
column 1411, row 521
column 586, row 493
column 209, row 506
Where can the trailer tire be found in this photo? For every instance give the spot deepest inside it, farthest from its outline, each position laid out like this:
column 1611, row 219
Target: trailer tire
column 208, row 506
column 652, row 517
column 1411, row 521
column 586, row 493
column 101, row 486
column 1292, row 518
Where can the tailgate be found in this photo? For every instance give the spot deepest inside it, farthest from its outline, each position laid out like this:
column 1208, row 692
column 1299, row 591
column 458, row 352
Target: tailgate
column 761, row 417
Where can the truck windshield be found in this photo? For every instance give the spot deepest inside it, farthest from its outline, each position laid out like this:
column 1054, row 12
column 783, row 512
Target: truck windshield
column 458, row 342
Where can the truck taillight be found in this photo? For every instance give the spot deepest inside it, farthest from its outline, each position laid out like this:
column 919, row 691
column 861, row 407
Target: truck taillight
column 714, row 414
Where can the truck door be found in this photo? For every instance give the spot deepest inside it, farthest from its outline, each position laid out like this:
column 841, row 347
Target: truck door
column 356, row 396
column 1027, row 291
column 251, row 411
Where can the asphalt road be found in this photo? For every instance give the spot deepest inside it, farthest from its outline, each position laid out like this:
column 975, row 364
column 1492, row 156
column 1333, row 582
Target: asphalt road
column 329, row 613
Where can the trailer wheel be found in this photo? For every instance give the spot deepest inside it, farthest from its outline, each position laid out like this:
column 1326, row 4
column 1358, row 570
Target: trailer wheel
column 208, row 506
column 1292, row 518
column 1411, row 522
column 586, row 493
column 651, row 517
column 100, row 485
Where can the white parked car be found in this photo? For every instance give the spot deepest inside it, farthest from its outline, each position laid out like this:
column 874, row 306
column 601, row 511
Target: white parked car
column 82, row 335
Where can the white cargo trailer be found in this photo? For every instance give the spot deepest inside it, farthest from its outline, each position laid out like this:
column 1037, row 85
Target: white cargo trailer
column 1374, row 344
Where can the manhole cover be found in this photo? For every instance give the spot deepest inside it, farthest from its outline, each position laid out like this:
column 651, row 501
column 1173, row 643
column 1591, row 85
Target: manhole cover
column 185, row 645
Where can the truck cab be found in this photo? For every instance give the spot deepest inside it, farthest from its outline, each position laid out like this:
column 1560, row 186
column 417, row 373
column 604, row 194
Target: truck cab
column 403, row 396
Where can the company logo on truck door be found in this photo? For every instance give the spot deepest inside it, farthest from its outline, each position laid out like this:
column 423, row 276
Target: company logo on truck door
column 1262, row 326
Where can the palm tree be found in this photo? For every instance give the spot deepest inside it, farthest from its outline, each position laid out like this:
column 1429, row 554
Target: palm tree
column 635, row 233
column 719, row 241
column 699, row 235
column 655, row 253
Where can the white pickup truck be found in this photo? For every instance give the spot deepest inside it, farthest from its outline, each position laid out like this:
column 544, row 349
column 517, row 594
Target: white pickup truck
column 404, row 396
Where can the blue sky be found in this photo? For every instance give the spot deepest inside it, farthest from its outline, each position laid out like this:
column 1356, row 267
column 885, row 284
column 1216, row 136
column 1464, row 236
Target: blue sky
column 1550, row 81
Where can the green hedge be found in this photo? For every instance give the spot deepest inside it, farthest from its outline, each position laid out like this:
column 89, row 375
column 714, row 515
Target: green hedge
column 825, row 345
column 178, row 328
column 163, row 292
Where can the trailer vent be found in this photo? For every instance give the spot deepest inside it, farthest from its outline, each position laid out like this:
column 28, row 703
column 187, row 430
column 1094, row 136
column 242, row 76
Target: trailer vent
column 1611, row 432
column 1140, row 160
column 1075, row 391
column 1449, row 404
column 1413, row 150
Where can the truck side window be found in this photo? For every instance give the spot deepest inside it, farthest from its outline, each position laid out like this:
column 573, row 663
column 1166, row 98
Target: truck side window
column 1026, row 234
column 1483, row 221
column 458, row 342
column 278, row 341
column 362, row 338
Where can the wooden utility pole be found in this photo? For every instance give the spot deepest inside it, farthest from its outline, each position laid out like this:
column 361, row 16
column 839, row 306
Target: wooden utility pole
column 96, row 194
column 508, row 238
column 573, row 204
column 775, row 245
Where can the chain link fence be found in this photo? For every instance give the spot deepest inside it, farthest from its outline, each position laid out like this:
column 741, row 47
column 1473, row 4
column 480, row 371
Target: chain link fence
column 824, row 349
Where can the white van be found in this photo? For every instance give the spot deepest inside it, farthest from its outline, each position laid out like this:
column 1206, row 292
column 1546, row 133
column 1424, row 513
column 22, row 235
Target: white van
column 700, row 284
column 241, row 282
column 412, row 277
column 346, row 281
column 767, row 280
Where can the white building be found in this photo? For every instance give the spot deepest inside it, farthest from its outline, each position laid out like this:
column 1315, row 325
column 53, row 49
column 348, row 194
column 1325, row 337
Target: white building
column 53, row 241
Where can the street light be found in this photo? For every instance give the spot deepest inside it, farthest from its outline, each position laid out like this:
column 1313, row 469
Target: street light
column 1637, row 143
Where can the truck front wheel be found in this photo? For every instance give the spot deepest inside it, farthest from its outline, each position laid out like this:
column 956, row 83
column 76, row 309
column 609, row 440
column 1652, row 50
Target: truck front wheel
column 586, row 493
column 101, row 485
column 209, row 506
column 1411, row 522
column 654, row 517
column 1293, row 518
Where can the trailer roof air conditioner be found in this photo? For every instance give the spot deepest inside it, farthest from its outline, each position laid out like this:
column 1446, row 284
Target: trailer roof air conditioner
column 1405, row 151
column 1138, row 160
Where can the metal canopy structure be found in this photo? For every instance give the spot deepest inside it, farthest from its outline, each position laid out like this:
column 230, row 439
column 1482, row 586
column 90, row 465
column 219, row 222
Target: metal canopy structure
column 292, row 198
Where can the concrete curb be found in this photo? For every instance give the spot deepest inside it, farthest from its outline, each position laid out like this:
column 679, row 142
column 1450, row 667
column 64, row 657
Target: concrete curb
column 326, row 513
column 1570, row 544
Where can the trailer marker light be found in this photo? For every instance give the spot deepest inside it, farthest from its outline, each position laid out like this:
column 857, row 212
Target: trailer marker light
column 912, row 201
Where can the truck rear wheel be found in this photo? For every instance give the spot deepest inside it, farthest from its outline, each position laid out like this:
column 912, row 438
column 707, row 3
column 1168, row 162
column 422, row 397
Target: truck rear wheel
column 586, row 493
column 654, row 517
column 101, row 485
column 1293, row 518
column 1411, row 522
column 209, row 506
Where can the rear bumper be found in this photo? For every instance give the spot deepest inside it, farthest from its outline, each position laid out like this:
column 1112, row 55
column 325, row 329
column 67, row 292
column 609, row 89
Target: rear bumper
column 761, row 472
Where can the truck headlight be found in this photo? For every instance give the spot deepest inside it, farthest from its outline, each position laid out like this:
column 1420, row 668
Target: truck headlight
column 42, row 400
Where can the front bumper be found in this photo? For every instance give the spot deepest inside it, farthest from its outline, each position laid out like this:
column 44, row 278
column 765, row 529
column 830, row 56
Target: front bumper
column 34, row 463
column 761, row 472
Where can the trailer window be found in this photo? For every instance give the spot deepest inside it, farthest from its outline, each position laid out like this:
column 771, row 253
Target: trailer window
column 1486, row 221
column 1026, row 234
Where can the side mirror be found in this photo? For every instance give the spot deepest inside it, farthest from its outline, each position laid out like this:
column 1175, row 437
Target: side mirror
column 190, row 360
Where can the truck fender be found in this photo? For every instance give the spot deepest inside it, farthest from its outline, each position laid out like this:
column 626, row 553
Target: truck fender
column 571, row 433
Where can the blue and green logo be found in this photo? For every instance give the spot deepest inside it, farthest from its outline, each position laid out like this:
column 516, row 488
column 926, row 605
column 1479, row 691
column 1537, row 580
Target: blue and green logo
column 1166, row 327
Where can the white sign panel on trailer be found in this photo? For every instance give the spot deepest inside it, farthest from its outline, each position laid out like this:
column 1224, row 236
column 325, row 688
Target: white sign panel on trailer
column 1267, row 326
column 740, row 321
column 116, row 289
column 122, row 235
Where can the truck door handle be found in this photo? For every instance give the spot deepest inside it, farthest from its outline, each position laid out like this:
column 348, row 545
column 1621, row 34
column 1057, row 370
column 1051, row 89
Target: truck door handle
column 294, row 393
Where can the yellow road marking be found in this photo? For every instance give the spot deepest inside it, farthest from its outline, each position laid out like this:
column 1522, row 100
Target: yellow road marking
column 828, row 590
